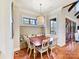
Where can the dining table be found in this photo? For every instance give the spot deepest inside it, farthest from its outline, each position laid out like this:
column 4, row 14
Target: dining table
column 37, row 41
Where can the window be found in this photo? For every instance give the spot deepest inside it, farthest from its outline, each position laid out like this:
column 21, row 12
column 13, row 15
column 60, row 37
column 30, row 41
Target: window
column 53, row 26
column 25, row 21
column 33, row 21
column 29, row 21
column 77, row 7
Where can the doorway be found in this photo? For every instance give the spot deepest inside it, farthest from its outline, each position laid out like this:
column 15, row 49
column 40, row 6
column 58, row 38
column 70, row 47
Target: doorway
column 70, row 30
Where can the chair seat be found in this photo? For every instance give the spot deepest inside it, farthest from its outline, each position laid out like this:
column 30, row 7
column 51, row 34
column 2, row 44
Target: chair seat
column 51, row 47
column 42, row 50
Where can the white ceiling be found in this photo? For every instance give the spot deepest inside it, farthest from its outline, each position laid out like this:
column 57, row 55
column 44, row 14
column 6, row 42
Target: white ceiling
column 47, row 5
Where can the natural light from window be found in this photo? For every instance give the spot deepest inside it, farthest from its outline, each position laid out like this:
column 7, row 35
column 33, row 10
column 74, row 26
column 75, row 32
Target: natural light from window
column 77, row 7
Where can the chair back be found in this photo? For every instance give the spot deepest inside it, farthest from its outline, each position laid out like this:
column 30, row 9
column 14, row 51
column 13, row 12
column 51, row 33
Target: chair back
column 52, row 42
column 31, row 35
column 25, row 37
column 45, row 44
column 29, row 43
column 48, row 35
column 22, row 38
column 39, row 34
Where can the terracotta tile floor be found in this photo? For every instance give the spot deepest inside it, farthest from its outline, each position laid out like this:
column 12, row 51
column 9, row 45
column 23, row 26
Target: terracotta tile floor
column 66, row 52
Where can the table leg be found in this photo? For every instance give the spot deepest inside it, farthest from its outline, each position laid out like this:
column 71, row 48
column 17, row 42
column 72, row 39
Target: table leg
column 27, row 50
column 41, row 56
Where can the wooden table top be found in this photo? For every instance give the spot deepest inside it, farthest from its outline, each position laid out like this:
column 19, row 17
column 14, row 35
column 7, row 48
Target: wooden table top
column 37, row 41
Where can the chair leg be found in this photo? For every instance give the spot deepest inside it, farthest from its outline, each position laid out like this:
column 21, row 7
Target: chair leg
column 48, row 54
column 30, row 52
column 41, row 56
column 27, row 50
column 34, row 53
column 51, row 50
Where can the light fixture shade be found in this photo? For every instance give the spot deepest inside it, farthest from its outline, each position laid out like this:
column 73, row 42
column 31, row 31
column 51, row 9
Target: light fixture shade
column 40, row 20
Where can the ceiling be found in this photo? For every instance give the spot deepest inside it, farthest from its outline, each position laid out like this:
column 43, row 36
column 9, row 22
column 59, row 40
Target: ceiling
column 47, row 5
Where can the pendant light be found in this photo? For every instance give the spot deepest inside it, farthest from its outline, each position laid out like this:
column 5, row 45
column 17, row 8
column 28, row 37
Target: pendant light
column 40, row 18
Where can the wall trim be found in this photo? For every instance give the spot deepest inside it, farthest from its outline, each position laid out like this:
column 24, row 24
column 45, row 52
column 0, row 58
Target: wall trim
column 74, row 20
column 70, row 18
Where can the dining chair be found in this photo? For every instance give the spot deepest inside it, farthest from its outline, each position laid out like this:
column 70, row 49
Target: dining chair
column 31, row 35
column 48, row 35
column 21, row 38
column 39, row 34
column 43, row 48
column 30, row 46
column 23, row 43
column 52, row 43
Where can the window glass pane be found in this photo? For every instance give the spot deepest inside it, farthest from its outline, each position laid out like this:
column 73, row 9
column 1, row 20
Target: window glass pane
column 53, row 26
column 33, row 21
column 25, row 20
column 51, row 23
column 29, row 21
column 77, row 7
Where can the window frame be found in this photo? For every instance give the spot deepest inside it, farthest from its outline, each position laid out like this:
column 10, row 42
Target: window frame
column 53, row 19
column 29, row 21
column 35, row 20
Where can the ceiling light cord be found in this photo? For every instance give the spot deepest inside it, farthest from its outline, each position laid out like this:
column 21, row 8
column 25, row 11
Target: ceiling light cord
column 40, row 8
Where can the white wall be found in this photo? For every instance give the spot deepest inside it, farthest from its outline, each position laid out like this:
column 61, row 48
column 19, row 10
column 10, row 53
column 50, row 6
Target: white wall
column 60, row 15
column 78, row 22
column 70, row 15
column 6, row 42
column 47, row 25
column 61, row 28
column 18, row 14
column 16, row 29
column 60, row 18
column 29, row 30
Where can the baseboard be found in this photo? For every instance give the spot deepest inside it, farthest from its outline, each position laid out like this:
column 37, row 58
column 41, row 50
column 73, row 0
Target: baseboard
column 61, row 45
